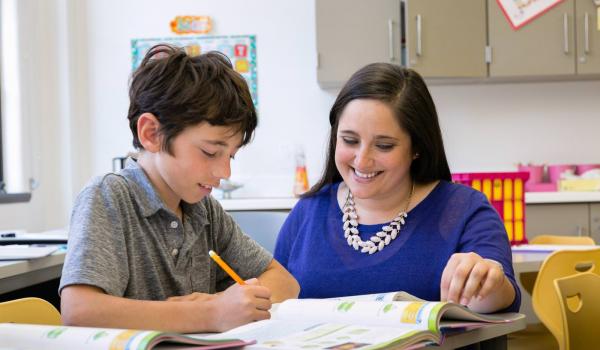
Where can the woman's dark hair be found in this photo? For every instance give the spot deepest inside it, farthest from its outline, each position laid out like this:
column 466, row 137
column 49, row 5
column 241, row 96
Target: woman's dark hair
column 405, row 92
column 182, row 91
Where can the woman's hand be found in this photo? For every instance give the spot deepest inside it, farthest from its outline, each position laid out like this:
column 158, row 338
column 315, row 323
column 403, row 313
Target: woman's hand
column 471, row 280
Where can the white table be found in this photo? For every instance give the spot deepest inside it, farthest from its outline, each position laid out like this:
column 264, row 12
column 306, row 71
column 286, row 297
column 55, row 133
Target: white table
column 493, row 335
column 19, row 274
column 527, row 262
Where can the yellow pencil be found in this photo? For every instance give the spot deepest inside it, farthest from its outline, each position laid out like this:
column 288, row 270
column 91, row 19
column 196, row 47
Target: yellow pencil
column 226, row 267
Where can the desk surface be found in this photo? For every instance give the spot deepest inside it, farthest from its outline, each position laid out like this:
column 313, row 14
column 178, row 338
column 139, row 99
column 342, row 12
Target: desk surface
column 19, row 274
column 528, row 262
column 477, row 335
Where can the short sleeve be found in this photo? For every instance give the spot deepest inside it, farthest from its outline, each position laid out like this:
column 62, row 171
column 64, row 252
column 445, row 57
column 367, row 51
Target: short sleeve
column 242, row 253
column 485, row 235
column 96, row 250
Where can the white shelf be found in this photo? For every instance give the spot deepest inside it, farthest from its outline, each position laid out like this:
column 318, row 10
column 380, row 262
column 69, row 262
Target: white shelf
column 561, row 197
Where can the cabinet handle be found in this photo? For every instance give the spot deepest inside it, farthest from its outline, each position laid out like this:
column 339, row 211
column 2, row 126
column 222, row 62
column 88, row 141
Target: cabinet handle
column 391, row 38
column 419, row 34
column 586, row 31
column 566, row 33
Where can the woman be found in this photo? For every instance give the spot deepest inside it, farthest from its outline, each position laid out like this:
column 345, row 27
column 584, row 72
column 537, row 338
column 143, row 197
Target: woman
column 385, row 216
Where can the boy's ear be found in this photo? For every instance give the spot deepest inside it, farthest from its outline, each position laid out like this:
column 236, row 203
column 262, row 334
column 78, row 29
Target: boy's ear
column 147, row 130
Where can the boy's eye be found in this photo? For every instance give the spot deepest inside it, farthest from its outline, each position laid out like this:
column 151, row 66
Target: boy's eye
column 209, row 155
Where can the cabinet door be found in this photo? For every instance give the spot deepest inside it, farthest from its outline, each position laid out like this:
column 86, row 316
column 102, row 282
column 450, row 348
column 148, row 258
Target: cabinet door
column 595, row 221
column 545, row 46
column 353, row 33
column 446, row 38
column 588, row 37
column 557, row 219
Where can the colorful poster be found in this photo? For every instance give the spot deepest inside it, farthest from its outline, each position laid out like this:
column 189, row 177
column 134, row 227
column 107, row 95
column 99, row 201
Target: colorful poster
column 241, row 50
column 521, row 12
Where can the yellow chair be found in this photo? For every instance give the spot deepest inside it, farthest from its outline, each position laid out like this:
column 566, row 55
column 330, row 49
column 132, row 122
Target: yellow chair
column 528, row 278
column 580, row 308
column 559, row 264
column 29, row 310
column 554, row 239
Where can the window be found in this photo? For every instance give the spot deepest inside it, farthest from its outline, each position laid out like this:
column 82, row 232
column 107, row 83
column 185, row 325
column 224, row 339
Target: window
column 2, row 186
column 13, row 186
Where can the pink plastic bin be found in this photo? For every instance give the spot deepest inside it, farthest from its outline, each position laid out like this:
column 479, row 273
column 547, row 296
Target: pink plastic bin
column 506, row 193
column 536, row 179
column 554, row 171
column 582, row 168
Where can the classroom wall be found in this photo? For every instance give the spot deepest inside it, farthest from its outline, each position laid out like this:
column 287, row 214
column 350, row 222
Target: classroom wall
column 486, row 126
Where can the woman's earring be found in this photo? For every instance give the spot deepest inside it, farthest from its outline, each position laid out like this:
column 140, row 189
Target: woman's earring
column 416, row 156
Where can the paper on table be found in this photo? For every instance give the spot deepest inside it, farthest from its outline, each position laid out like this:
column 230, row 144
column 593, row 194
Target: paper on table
column 20, row 252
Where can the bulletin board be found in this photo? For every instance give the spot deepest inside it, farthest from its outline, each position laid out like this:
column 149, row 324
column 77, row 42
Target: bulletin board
column 241, row 50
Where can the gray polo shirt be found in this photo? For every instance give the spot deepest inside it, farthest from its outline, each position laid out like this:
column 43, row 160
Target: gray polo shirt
column 124, row 240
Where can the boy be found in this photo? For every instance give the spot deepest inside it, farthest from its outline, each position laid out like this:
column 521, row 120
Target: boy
column 139, row 239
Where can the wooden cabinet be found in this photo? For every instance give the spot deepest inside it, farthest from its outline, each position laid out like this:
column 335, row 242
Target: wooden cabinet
column 588, row 37
column 442, row 39
column 563, row 41
column 595, row 221
column 571, row 219
column 545, row 46
column 446, row 38
column 454, row 39
column 353, row 33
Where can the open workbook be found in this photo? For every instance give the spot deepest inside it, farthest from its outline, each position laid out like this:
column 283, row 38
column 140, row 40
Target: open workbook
column 377, row 321
column 30, row 337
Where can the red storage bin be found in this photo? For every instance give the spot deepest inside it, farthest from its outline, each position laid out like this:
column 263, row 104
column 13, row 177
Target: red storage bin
column 506, row 193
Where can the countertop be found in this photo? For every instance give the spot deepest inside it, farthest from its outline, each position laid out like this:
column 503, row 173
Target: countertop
column 287, row 203
column 561, row 197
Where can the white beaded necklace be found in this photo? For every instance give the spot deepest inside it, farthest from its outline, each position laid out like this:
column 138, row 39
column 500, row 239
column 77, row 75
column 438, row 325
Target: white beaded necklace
column 382, row 238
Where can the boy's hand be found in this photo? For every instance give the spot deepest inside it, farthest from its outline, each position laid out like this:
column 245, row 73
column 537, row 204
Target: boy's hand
column 241, row 304
column 468, row 275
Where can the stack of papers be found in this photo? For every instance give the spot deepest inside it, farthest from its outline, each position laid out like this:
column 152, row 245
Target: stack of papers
column 20, row 252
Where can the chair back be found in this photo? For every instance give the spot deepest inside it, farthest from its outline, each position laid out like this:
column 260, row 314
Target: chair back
column 29, row 310
column 559, row 264
column 580, row 309
column 555, row 239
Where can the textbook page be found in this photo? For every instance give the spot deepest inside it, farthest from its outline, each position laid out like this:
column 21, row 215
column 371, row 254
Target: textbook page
column 56, row 337
column 35, row 337
column 322, row 323
column 390, row 296
column 290, row 335
column 409, row 315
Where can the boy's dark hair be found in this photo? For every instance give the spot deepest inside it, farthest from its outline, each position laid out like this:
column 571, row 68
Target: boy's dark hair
column 405, row 92
column 182, row 91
